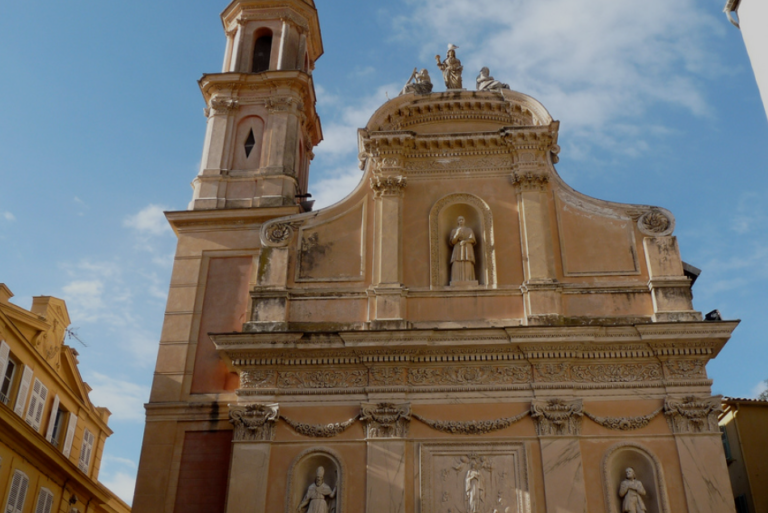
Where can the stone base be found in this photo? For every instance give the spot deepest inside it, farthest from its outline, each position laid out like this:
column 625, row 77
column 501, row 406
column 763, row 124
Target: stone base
column 465, row 284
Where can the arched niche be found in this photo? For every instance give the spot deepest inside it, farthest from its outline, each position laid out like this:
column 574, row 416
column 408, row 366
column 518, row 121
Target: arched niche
column 647, row 469
column 303, row 471
column 443, row 219
column 248, row 143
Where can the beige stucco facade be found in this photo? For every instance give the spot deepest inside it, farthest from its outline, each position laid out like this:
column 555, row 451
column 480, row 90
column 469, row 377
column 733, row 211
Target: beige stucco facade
column 342, row 338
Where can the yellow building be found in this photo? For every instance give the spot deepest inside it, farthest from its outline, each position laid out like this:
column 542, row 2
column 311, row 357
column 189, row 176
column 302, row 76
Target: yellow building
column 51, row 435
column 744, row 423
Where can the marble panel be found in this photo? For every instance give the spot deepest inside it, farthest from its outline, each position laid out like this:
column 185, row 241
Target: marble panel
column 705, row 474
column 385, row 483
column 563, row 475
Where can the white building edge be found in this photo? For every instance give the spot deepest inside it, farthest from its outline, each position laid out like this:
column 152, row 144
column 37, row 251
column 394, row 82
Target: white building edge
column 751, row 16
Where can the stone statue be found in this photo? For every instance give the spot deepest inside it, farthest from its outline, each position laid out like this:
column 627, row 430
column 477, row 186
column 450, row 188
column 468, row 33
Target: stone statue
column 474, row 489
column 463, row 257
column 451, row 68
column 419, row 83
column 631, row 490
column 485, row 82
column 316, row 495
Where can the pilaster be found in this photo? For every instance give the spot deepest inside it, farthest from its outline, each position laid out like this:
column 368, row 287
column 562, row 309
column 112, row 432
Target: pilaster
column 386, row 427
column 670, row 288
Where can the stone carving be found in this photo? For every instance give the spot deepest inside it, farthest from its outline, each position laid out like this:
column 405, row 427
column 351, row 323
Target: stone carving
column 253, row 422
column 485, row 82
column 524, row 182
column 657, row 222
column 463, row 241
column 632, row 491
column 385, row 420
column 451, row 68
column 470, row 427
column 692, row 414
column 616, row 373
column 323, row 379
column 319, row 430
column 623, row 423
column 419, row 83
column 278, row 233
column 557, row 416
column 386, row 376
column 388, row 185
column 221, row 105
column 683, row 369
column 486, row 375
column 257, row 378
column 315, row 499
column 284, row 104
column 551, row 372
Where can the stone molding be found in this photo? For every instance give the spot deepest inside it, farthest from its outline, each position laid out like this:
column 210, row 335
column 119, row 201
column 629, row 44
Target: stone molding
column 693, row 414
column 385, row 420
column 557, row 416
column 471, row 427
column 388, row 185
column 253, row 422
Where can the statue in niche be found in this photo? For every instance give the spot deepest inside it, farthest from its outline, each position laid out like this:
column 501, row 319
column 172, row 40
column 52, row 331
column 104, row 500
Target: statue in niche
column 463, row 257
column 451, row 68
column 419, row 83
column 485, row 82
column 316, row 495
column 632, row 490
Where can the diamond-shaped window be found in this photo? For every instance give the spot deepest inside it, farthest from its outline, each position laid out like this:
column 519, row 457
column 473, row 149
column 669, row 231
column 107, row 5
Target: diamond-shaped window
column 249, row 144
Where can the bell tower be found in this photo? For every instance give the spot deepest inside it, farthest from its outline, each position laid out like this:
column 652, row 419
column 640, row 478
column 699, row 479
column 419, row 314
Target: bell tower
column 262, row 123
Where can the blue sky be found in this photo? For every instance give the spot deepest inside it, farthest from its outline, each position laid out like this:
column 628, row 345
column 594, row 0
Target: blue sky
column 102, row 129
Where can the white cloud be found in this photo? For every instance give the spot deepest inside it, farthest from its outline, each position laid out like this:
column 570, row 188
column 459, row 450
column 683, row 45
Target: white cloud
column 124, row 399
column 337, row 184
column 122, row 485
column 149, row 221
column 9, row 216
column 592, row 63
column 759, row 389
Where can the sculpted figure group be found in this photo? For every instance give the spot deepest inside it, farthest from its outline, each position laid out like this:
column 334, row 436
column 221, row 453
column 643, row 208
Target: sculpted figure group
column 451, row 68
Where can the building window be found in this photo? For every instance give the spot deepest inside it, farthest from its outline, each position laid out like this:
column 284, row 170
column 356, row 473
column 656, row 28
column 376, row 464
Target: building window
column 262, row 51
column 44, row 501
column 726, row 444
column 85, row 451
column 741, row 504
column 58, row 427
column 18, row 493
column 7, row 383
column 37, row 404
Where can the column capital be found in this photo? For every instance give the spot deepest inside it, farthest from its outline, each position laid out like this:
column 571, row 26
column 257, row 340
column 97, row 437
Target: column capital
column 253, row 422
column 388, row 185
column 385, row 420
column 557, row 416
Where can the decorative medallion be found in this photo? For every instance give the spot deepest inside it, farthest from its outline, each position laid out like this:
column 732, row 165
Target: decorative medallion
column 658, row 222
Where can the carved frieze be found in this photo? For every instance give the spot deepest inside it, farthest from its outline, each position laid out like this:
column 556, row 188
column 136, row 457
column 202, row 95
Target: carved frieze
column 616, row 373
column 623, row 423
column 253, row 422
column 319, row 430
column 323, row 379
column 530, row 181
column 693, row 414
column 551, row 372
column 257, row 378
column 471, row 427
column 685, row 369
column 388, row 164
column 557, row 416
column 385, row 420
column 386, row 376
column 388, row 185
column 480, row 375
column 657, row 222
column 445, row 165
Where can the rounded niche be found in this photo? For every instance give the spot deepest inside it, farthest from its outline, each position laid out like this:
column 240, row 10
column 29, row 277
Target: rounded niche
column 304, row 473
column 646, row 469
column 450, row 265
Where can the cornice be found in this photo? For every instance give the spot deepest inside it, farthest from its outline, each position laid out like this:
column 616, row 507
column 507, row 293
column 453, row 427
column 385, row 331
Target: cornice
column 195, row 220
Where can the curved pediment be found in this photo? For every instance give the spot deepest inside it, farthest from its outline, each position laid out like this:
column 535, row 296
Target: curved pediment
column 456, row 112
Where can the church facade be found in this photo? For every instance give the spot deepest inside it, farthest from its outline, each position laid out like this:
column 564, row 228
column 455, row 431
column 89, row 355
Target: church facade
column 463, row 333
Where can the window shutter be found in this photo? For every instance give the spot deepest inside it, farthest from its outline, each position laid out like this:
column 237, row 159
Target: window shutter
column 37, row 404
column 5, row 353
column 52, row 419
column 21, row 397
column 86, row 450
column 44, row 501
column 71, row 425
column 18, row 493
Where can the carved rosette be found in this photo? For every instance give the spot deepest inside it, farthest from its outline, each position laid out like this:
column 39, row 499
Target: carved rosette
column 693, row 414
column 658, row 222
column 529, row 181
column 557, row 416
column 385, row 420
column 253, row 422
column 388, row 185
column 279, row 233
column 220, row 105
